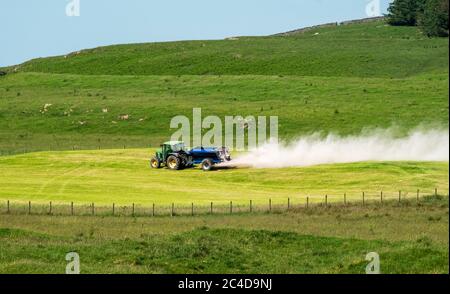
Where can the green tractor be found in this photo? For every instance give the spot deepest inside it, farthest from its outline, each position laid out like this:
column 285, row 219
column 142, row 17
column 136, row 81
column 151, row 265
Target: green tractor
column 172, row 155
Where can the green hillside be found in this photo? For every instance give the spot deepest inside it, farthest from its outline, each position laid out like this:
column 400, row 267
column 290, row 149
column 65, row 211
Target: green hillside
column 338, row 79
column 358, row 50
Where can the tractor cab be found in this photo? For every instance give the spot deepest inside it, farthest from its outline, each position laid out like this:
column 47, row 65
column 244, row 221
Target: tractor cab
column 172, row 146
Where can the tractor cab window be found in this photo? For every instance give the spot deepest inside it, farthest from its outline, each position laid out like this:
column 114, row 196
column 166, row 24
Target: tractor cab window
column 178, row 147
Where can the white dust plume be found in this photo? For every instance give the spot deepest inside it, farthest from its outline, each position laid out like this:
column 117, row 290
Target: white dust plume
column 375, row 145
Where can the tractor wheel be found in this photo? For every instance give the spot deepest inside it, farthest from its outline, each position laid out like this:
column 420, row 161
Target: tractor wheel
column 173, row 162
column 155, row 162
column 207, row 164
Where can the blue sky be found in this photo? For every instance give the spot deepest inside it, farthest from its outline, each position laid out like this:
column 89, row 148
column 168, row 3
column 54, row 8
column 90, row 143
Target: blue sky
column 39, row 28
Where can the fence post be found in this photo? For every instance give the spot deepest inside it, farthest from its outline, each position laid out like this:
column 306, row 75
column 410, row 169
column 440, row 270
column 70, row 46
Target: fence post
column 251, row 209
column 381, row 196
column 153, row 210
column 307, row 202
column 364, row 198
column 231, row 207
column 211, row 209
column 173, row 207
column 93, row 208
column 345, row 199
column 7, row 207
column 326, row 200
column 435, row 192
column 418, row 195
column 270, row 204
column 132, row 210
column 50, row 210
column 289, row 203
column 71, row 208
column 113, row 209
column 399, row 196
column 192, row 209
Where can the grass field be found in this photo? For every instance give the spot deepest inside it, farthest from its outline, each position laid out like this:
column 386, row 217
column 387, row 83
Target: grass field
column 303, row 104
column 409, row 238
column 124, row 177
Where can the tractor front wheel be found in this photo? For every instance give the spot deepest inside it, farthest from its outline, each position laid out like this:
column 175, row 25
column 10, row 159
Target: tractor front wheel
column 173, row 162
column 207, row 164
column 155, row 162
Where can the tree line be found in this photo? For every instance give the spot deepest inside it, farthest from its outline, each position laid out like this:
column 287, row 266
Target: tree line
column 430, row 15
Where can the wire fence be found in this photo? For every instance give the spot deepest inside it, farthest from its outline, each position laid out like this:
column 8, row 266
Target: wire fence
column 213, row 208
column 25, row 150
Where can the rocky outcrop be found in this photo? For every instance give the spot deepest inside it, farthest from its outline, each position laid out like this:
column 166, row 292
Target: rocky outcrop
column 332, row 24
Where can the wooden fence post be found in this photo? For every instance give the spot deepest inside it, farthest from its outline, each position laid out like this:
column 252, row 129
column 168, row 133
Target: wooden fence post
column 50, row 208
column 364, row 198
column 153, row 210
column 435, row 192
column 270, row 205
column 251, row 209
column 113, row 209
column 289, row 203
column 231, row 207
column 29, row 207
column 172, row 212
column 307, row 202
column 71, row 208
column 345, row 199
column 211, row 209
column 93, row 208
column 192, row 209
column 381, row 197
column 132, row 210
column 418, row 195
column 7, row 207
column 399, row 196
column 326, row 200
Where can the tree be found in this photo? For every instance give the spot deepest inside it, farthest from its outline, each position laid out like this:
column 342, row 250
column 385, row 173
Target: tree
column 434, row 20
column 405, row 12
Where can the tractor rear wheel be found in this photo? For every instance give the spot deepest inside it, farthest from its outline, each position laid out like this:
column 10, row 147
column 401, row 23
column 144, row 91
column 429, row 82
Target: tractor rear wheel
column 207, row 164
column 173, row 162
column 155, row 162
